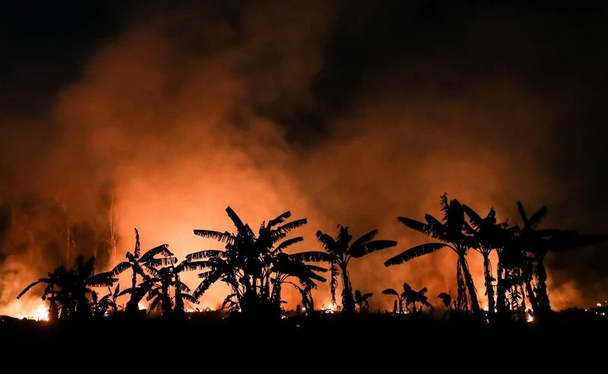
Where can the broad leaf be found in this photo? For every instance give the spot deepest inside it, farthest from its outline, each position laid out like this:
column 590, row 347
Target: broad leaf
column 417, row 251
column 370, row 247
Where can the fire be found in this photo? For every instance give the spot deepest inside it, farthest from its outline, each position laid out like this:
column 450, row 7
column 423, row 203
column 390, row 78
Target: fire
column 530, row 318
column 41, row 314
column 330, row 309
column 32, row 309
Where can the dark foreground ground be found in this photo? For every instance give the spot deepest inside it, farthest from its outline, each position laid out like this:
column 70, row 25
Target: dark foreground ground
column 376, row 342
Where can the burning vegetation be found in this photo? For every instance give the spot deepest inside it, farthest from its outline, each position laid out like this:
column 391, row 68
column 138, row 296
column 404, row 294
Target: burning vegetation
column 258, row 265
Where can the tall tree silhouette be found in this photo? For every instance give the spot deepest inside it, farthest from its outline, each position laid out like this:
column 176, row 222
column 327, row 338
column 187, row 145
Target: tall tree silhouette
column 107, row 302
column 539, row 242
column 146, row 267
column 489, row 235
column 70, row 288
column 253, row 265
column 409, row 296
column 400, row 299
column 338, row 252
column 361, row 299
column 451, row 235
column 50, row 293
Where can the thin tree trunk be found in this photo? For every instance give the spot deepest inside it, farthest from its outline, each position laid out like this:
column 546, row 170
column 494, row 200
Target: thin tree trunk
column 477, row 315
column 531, row 295
column 461, row 299
column 544, row 304
column 501, row 291
column 348, row 301
column 487, row 270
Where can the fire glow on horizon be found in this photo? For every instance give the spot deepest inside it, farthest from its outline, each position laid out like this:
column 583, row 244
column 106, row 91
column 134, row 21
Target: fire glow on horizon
column 184, row 134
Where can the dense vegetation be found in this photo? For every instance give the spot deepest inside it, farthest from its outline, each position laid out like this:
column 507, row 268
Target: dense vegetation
column 257, row 265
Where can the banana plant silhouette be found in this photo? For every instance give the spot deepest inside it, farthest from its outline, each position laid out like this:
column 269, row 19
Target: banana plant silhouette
column 255, row 266
column 451, row 235
column 146, row 267
column 539, row 242
column 489, row 235
column 70, row 288
column 338, row 253
column 361, row 299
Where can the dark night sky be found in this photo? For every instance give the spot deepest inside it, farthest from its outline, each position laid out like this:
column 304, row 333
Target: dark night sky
column 370, row 54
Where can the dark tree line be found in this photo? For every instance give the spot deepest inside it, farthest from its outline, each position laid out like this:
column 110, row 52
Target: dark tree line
column 521, row 250
column 256, row 266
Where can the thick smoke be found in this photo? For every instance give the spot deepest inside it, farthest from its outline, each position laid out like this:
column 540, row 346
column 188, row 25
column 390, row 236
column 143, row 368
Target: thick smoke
column 311, row 107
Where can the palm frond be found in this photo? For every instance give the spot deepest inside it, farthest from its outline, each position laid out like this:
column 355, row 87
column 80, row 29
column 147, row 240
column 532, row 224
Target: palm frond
column 288, row 242
column 365, row 238
column 317, row 268
column 120, row 267
column 137, row 249
column 182, row 286
column 522, row 213
column 209, row 279
column 390, row 291
column 474, row 218
column 328, row 242
column 205, row 274
column 191, row 265
column 190, row 298
column 312, row 256
column 367, row 248
column 162, row 249
column 417, row 251
column 163, row 261
column 281, row 218
column 287, row 227
column 435, row 228
column 238, row 223
column 102, row 280
column 413, row 224
column 205, row 254
column 224, row 237
column 537, row 217
column 41, row 280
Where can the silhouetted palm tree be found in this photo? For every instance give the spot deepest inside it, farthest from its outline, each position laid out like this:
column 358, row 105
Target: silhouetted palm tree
column 398, row 307
column 50, row 291
column 538, row 243
column 446, row 299
column 146, row 267
column 339, row 252
column 450, row 233
column 253, row 265
column 414, row 297
column 106, row 303
column 70, row 288
column 488, row 234
column 83, row 278
column 361, row 301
